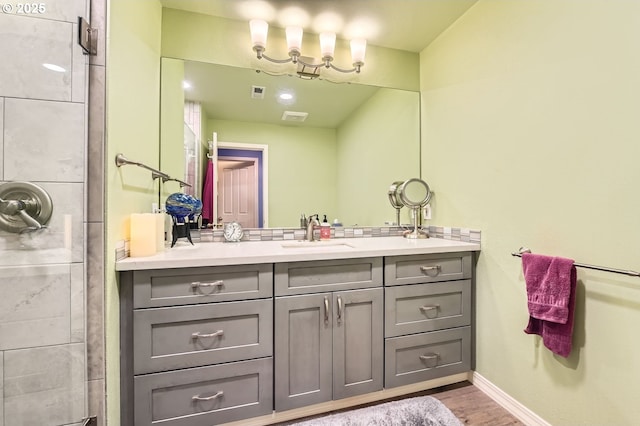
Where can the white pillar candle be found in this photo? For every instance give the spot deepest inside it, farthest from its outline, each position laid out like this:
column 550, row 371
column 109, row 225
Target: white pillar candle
column 160, row 220
column 142, row 241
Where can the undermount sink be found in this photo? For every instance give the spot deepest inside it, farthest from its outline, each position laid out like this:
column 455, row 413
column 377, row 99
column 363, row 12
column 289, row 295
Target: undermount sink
column 322, row 244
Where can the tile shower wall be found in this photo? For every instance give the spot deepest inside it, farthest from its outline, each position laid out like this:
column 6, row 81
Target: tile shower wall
column 50, row 312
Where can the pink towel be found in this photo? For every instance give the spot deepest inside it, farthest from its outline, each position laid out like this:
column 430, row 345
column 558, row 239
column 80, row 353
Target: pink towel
column 207, row 194
column 551, row 285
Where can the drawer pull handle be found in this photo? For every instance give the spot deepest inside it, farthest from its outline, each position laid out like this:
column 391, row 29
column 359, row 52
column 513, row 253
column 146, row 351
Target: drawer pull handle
column 339, row 309
column 326, row 309
column 427, row 269
column 431, row 357
column 197, row 335
column 198, row 284
column 209, row 398
column 429, row 308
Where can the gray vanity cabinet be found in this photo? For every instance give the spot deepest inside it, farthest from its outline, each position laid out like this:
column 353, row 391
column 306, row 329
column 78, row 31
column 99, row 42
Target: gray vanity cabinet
column 328, row 345
column 196, row 345
column 427, row 317
column 209, row 345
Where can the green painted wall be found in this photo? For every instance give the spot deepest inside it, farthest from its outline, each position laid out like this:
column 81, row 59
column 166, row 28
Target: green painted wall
column 172, row 155
column 530, row 134
column 302, row 167
column 377, row 145
column 132, row 123
column 204, row 38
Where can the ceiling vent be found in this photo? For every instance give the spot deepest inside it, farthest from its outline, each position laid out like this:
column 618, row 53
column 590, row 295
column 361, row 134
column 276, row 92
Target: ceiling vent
column 257, row 92
column 294, row 116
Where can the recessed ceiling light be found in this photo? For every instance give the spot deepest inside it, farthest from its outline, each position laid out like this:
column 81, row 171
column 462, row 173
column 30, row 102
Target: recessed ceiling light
column 286, row 96
column 54, row 67
column 186, row 85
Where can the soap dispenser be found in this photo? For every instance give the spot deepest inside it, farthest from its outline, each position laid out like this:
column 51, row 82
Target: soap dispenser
column 325, row 229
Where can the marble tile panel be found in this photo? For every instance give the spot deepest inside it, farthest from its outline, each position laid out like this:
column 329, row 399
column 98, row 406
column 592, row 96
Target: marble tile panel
column 77, row 303
column 1, row 388
column 44, row 140
column 95, row 301
column 62, row 241
column 63, row 10
column 79, row 71
column 98, row 20
column 47, row 42
column 1, row 139
column 96, row 400
column 95, row 154
column 35, row 306
column 54, row 376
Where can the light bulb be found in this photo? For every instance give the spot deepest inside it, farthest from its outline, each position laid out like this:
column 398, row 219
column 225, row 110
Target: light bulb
column 358, row 50
column 327, row 45
column 294, row 39
column 259, row 30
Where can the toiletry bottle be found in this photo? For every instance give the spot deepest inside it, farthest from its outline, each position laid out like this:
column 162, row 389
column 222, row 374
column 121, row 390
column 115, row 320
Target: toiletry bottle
column 325, row 229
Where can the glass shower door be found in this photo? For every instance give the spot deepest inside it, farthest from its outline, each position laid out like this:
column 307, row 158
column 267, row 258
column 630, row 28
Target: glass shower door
column 43, row 98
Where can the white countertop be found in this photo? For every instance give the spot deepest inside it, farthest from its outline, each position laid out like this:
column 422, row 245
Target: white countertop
column 184, row 255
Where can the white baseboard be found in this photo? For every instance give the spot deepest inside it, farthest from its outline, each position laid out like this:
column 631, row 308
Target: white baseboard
column 521, row 412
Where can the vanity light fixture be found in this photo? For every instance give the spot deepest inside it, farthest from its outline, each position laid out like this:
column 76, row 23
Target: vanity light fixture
column 259, row 29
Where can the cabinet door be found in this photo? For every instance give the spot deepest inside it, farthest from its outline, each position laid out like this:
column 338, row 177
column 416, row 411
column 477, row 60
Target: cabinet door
column 357, row 342
column 303, row 350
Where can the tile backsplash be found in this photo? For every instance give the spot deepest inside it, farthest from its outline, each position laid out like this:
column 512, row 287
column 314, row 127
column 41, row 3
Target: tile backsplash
column 283, row 234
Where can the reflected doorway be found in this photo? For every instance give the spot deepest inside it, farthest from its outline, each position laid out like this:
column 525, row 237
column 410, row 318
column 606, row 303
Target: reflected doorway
column 241, row 186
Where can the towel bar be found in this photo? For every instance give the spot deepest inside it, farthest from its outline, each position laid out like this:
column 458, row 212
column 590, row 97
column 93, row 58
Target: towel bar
column 584, row 265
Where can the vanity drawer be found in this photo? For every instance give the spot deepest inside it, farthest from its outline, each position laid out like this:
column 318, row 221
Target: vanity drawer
column 189, row 336
column 425, row 268
column 426, row 307
column 226, row 392
column 166, row 287
column 327, row 275
column 418, row 357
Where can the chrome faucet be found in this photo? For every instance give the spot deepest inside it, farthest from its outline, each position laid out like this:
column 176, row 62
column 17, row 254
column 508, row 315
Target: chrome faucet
column 313, row 221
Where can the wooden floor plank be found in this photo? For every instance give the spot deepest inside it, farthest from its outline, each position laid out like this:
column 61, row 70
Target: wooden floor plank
column 469, row 404
column 473, row 407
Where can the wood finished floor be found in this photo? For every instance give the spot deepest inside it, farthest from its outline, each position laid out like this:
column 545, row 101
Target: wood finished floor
column 469, row 404
column 472, row 406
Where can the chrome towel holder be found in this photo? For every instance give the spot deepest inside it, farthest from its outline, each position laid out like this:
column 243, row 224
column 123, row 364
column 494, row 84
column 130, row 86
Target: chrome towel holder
column 587, row 266
column 121, row 160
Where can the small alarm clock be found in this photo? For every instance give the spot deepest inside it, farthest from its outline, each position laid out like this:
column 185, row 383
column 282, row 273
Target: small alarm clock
column 233, row 231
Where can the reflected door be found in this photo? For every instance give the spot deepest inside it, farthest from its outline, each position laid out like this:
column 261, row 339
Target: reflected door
column 238, row 191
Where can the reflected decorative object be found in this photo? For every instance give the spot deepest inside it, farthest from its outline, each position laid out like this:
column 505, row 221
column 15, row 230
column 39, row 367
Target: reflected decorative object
column 197, row 209
column 260, row 28
column 180, row 206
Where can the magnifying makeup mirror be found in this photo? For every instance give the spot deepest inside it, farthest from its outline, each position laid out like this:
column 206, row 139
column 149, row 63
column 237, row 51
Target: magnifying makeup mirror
column 394, row 199
column 415, row 194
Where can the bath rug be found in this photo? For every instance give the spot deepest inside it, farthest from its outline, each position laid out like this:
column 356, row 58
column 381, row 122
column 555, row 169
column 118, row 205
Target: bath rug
column 418, row 411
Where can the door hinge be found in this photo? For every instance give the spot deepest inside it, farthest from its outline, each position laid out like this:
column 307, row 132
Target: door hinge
column 90, row 421
column 87, row 37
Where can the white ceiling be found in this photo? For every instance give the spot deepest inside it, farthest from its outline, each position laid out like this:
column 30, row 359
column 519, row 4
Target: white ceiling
column 398, row 24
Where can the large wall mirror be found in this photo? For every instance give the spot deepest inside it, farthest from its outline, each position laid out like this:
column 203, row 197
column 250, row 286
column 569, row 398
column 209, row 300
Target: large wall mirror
column 326, row 148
